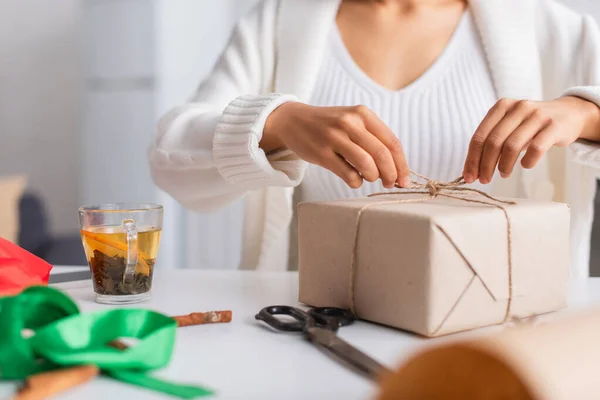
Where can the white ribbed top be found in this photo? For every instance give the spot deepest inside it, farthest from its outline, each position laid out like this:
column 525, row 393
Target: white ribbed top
column 434, row 117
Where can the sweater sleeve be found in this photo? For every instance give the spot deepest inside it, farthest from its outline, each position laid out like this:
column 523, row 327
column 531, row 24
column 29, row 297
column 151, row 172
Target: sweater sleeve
column 574, row 43
column 588, row 86
column 206, row 153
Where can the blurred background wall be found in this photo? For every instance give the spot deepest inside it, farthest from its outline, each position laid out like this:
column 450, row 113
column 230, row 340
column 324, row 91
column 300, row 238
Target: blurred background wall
column 83, row 82
column 40, row 101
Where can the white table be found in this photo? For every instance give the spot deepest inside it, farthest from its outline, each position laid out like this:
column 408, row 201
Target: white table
column 246, row 360
column 60, row 274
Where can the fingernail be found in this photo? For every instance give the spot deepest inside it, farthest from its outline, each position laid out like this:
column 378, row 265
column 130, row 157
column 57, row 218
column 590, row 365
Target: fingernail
column 468, row 178
column 503, row 175
column 405, row 182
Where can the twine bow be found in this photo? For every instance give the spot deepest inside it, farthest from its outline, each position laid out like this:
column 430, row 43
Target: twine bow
column 444, row 189
column 433, row 189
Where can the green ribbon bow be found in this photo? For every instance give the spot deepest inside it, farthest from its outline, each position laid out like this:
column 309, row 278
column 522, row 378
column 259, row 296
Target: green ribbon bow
column 63, row 337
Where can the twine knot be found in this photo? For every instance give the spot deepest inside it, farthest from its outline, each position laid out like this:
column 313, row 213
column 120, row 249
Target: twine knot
column 433, row 187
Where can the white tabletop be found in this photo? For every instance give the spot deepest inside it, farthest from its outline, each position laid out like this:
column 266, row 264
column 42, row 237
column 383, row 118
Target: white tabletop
column 60, row 274
column 246, row 360
column 67, row 269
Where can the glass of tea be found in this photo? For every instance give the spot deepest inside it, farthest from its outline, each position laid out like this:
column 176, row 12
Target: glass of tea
column 121, row 243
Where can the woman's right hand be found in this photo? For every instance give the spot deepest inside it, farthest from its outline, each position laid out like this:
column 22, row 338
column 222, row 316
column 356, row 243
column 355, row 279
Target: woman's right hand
column 351, row 142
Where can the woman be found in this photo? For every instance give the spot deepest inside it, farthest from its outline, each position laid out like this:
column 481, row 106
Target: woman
column 341, row 98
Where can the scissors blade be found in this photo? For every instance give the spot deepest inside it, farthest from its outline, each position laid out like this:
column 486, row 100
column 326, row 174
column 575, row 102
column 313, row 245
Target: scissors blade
column 346, row 353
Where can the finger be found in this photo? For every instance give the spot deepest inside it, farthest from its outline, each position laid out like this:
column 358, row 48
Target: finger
column 380, row 154
column 495, row 140
column 385, row 135
column 341, row 168
column 475, row 152
column 517, row 142
column 358, row 158
column 539, row 146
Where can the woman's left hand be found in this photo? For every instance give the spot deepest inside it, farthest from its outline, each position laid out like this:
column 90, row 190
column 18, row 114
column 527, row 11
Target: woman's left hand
column 513, row 126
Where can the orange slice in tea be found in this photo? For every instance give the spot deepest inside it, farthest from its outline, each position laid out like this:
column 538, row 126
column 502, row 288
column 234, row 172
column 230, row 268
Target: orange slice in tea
column 114, row 248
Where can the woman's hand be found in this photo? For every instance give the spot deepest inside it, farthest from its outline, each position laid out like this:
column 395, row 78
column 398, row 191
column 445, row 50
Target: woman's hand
column 352, row 142
column 513, row 126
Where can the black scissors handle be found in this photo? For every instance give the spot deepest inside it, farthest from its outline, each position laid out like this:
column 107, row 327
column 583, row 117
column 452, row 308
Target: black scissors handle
column 325, row 317
column 319, row 326
column 299, row 318
column 344, row 317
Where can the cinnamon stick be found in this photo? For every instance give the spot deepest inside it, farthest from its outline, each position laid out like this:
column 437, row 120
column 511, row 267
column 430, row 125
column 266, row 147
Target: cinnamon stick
column 117, row 344
column 196, row 318
column 200, row 318
column 46, row 384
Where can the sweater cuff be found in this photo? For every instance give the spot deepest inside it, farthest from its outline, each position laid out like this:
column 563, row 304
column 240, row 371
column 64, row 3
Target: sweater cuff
column 582, row 151
column 586, row 153
column 237, row 155
column 589, row 93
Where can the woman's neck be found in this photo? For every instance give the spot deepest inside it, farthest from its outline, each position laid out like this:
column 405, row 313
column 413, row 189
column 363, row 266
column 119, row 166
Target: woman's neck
column 392, row 44
column 416, row 3
column 410, row 5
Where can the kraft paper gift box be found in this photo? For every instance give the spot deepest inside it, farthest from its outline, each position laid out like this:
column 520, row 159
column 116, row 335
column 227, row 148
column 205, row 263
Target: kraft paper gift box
column 435, row 266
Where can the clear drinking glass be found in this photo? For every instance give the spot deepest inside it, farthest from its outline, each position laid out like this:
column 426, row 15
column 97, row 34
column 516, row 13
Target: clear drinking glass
column 121, row 243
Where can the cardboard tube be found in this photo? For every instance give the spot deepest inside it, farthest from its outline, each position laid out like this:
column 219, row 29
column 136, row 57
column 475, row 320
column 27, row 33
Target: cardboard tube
column 554, row 361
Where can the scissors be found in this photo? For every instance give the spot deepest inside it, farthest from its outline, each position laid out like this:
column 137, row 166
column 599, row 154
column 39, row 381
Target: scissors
column 319, row 326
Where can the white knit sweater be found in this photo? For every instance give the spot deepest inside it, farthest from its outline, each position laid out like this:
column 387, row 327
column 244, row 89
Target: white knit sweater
column 206, row 154
column 434, row 117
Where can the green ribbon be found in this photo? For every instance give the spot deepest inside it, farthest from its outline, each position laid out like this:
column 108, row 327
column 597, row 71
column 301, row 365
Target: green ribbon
column 60, row 336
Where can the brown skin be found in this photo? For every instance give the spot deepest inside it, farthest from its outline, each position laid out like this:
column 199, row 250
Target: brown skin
column 512, row 127
column 394, row 42
column 345, row 140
